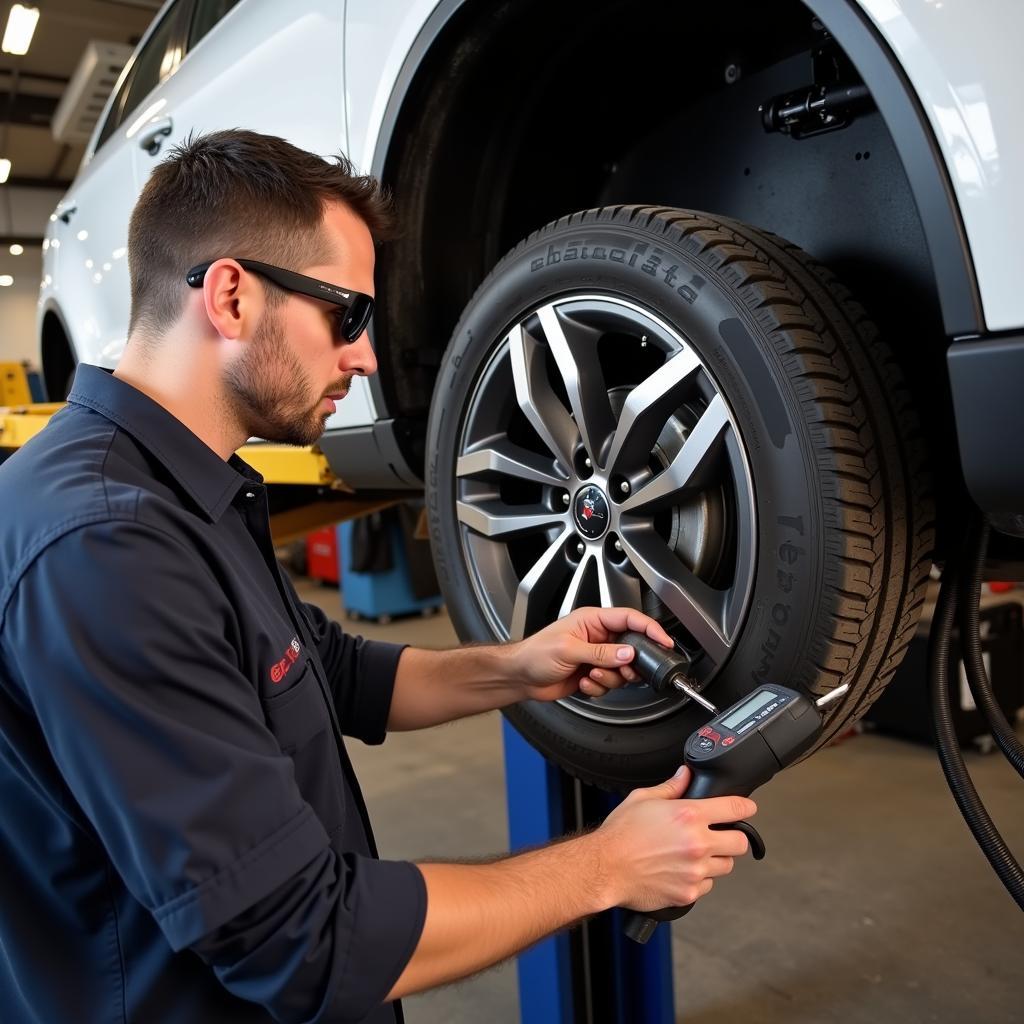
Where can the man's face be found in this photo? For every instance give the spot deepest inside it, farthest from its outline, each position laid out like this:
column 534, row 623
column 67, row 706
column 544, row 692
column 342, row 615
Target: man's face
column 297, row 367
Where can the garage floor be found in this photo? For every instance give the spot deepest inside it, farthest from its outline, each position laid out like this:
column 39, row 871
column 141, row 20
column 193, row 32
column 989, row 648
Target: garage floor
column 873, row 904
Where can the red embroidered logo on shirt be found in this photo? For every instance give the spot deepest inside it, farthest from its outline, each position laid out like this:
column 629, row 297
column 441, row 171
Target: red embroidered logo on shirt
column 281, row 668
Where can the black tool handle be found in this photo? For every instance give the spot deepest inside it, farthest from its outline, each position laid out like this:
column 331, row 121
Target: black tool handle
column 653, row 663
column 640, row 926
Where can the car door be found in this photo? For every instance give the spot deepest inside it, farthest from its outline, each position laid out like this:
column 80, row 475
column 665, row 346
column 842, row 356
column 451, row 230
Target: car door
column 271, row 67
column 88, row 237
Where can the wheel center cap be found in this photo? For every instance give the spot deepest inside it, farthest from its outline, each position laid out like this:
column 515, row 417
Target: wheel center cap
column 590, row 510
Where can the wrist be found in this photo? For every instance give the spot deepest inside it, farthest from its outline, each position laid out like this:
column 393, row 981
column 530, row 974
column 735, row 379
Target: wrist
column 512, row 669
column 600, row 869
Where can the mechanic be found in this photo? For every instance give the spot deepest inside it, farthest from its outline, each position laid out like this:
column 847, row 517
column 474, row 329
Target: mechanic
column 183, row 835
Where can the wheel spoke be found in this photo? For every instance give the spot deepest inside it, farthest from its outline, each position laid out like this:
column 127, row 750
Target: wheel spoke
column 689, row 470
column 647, row 408
column 539, row 403
column 509, row 459
column 537, row 587
column 698, row 607
column 496, row 519
column 572, row 595
column 618, row 589
column 576, row 357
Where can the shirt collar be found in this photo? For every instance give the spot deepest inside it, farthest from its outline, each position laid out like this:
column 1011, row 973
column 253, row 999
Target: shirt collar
column 211, row 482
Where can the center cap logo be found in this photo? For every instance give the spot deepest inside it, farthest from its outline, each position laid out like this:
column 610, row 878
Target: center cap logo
column 591, row 510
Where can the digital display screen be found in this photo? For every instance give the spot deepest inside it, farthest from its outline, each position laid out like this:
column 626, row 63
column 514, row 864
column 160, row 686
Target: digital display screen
column 747, row 708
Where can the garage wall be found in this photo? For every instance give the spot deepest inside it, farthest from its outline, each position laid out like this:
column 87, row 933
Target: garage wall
column 24, row 216
column 18, row 309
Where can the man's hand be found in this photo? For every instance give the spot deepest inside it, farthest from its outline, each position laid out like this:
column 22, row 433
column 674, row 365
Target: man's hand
column 576, row 654
column 654, row 850
column 660, row 851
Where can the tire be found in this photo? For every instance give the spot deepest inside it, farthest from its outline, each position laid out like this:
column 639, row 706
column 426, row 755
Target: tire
column 798, row 550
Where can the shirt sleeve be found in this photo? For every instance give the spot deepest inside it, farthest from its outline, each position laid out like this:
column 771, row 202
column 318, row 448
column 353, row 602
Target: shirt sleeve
column 127, row 649
column 361, row 674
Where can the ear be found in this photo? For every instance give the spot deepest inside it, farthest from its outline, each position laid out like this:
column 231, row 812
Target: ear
column 232, row 299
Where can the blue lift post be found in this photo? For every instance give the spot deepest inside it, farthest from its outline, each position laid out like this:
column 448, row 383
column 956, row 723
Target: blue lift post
column 594, row 974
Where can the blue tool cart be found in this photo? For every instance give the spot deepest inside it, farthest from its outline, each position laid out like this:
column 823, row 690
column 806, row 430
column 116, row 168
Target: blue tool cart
column 388, row 592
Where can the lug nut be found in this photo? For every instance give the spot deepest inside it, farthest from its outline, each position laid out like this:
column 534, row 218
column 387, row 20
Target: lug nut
column 565, row 498
column 617, row 545
column 580, row 549
column 588, row 463
column 624, row 487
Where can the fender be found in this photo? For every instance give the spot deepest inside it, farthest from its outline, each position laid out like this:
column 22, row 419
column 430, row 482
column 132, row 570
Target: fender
column 899, row 106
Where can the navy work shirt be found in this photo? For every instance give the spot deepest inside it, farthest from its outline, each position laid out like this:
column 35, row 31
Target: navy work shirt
column 182, row 838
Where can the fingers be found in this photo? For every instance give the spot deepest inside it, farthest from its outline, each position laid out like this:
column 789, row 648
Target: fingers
column 611, row 656
column 598, row 681
column 716, row 810
column 618, row 620
column 732, row 843
column 670, row 789
column 718, row 867
column 603, row 664
column 592, row 689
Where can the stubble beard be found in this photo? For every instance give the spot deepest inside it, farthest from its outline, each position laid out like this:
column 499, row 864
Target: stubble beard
column 268, row 389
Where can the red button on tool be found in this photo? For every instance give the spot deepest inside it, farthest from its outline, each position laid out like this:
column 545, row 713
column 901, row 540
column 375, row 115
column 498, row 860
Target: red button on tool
column 728, row 740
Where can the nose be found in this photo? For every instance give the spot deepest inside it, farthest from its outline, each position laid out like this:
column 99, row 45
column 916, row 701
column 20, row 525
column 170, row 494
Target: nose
column 358, row 357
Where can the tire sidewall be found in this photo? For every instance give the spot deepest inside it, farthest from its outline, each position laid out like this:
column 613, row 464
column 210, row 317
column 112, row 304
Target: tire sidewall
column 734, row 341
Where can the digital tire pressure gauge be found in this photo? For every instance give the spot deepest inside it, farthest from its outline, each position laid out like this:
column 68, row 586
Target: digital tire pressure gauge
column 740, row 749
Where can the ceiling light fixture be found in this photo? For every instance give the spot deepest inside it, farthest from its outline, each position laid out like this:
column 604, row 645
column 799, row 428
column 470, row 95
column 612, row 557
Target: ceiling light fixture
column 21, row 24
column 16, row 249
column 6, row 280
column 5, row 170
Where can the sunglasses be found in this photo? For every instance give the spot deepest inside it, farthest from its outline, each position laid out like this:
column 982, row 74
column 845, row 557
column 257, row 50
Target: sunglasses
column 357, row 307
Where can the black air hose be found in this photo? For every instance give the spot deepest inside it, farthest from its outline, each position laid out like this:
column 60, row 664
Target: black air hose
column 970, row 642
column 966, row 796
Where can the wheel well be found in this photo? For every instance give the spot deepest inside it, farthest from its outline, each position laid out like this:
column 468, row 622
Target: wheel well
column 57, row 358
column 521, row 112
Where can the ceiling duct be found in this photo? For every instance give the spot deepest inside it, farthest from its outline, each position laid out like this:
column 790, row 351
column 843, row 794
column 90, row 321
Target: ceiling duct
column 87, row 92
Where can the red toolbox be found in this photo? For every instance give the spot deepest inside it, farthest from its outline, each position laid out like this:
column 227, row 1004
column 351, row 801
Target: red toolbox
column 322, row 555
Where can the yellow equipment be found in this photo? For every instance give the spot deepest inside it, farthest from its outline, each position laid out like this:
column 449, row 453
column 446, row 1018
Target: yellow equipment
column 315, row 496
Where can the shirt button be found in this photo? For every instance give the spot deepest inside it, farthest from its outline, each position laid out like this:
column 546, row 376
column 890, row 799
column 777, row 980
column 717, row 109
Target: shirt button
column 250, row 495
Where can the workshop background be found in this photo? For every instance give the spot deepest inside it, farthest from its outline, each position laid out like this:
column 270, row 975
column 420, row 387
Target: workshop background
column 874, row 903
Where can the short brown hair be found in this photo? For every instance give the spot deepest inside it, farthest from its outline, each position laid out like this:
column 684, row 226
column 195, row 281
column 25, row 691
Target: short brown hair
column 242, row 194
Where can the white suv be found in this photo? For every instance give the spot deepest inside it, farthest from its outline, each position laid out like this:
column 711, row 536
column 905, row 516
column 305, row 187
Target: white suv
column 639, row 403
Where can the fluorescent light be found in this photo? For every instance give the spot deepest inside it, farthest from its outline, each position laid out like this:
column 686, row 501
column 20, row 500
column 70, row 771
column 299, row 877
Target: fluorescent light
column 21, row 24
column 5, row 170
column 6, row 280
column 17, row 250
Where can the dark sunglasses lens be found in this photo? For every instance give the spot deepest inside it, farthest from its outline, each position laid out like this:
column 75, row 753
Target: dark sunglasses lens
column 358, row 317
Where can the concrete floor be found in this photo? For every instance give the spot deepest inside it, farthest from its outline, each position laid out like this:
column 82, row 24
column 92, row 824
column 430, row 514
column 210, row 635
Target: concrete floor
column 873, row 904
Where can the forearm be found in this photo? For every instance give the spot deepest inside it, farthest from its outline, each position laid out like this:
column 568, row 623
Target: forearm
column 432, row 687
column 481, row 914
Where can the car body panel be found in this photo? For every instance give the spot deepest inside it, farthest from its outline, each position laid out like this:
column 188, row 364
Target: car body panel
column 358, row 56
column 964, row 64
column 222, row 81
column 379, row 37
column 84, row 260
